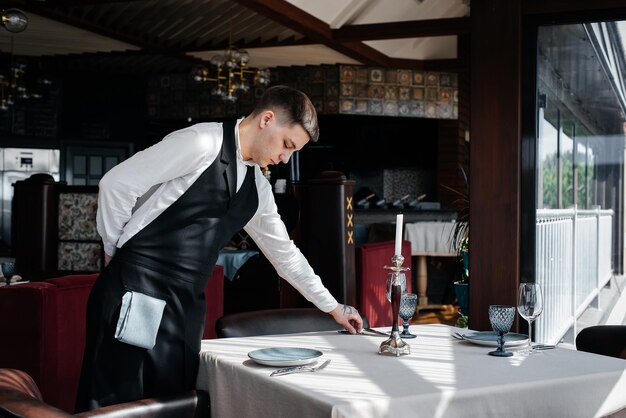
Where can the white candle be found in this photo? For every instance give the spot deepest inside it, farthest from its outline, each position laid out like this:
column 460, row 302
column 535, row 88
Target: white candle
column 399, row 218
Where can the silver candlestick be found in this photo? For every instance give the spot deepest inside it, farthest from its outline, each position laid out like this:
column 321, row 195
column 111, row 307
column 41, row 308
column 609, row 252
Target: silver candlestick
column 397, row 280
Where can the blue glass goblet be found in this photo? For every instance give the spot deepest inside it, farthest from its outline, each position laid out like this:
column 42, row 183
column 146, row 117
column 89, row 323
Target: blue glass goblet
column 501, row 318
column 408, row 303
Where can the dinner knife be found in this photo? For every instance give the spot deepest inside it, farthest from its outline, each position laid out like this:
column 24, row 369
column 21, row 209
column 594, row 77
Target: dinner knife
column 297, row 369
column 374, row 331
column 370, row 330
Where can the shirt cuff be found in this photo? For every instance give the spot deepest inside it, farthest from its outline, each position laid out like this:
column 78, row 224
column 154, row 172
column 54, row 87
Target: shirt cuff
column 109, row 249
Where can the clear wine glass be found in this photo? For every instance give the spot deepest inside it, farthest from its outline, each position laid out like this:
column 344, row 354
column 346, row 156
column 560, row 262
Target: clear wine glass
column 400, row 279
column 529, row 306
column 408, row 303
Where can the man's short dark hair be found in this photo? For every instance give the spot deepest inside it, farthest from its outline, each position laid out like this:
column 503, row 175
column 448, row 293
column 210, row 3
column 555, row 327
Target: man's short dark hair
column 291, row 106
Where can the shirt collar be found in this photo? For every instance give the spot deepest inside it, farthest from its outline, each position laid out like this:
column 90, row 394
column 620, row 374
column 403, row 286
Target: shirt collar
column 239, row 156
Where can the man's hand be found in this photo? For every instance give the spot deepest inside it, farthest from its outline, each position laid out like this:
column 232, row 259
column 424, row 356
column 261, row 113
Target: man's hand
column 348, row 317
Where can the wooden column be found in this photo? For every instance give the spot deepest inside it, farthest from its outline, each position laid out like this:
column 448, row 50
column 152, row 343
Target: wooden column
column 327, row 234
column 495, row 138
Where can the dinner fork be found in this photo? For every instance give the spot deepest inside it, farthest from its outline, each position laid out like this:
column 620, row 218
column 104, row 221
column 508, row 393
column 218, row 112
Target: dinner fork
column 297, row 369
column 457, row 335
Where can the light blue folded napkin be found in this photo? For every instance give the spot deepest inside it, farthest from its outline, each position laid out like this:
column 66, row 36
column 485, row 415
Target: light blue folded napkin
column 140, row 317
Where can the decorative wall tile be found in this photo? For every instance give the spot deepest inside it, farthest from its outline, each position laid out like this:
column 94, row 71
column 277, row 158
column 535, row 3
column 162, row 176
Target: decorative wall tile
column 391, row 76
column 361, row 90
column 375, row 107
column 404, row 93
column 390, row 107
column 318, row 103
column 376, row 91
column 347, row 106
column 445, row 80
column 332, row 75
column 347, row 74
column 361, row 74
column 317, row 74
column 432, row 79
column 331, row 105
column 347, row 89
column 430, row 110
column 404, row 108
column 178, row 82
column 391, row 93
column 416, row 108
column 360, row 106
column 445, row 95
column 399, row 182
column 375, row 75
column 432, row 94
column 444, row 111
column 404, row 77
column 333, row 89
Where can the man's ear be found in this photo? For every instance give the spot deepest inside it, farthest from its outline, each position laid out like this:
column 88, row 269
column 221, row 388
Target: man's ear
column 267, row 118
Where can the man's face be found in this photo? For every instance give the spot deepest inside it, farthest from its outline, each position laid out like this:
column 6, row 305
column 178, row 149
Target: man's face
column 276, row 142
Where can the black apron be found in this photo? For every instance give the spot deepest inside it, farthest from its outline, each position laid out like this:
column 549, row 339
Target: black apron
column 171, row 259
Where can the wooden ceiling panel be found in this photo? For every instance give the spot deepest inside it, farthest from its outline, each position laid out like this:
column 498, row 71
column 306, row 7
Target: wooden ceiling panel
column 175, row 27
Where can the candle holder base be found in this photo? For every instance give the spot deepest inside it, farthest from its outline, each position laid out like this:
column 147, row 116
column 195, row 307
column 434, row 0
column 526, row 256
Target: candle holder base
column 394, row 345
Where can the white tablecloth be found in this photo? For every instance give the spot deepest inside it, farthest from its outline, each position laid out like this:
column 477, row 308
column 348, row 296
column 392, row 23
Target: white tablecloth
column 442, row 377
column 430, row 238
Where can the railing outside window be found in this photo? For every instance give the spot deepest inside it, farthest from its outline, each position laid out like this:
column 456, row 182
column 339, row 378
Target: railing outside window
column 574, row 250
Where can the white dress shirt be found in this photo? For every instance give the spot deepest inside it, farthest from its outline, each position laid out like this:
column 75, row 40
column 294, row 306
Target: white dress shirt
column 138, row 190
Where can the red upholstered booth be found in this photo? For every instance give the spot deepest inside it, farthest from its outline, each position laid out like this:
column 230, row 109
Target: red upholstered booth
column 43, row 330
column 371, row 258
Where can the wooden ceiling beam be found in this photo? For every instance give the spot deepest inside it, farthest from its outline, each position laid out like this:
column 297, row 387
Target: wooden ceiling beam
column 342, row 41
column 315, row 29
column 290, row 16
column 255, row 43
column 400, row 30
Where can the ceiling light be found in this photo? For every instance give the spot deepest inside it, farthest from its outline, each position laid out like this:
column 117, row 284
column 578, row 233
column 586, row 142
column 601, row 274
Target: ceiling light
column 231, row 74
column 14, row 20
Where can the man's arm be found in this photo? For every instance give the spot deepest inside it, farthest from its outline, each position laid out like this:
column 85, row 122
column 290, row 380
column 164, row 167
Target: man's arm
column 268, row 231
column 178, row 154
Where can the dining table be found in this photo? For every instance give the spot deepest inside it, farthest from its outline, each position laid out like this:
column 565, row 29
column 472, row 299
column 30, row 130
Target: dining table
column 441, row 377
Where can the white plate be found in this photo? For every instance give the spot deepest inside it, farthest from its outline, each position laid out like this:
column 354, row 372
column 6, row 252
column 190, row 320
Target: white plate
column 284, row 356
column 14, row 283
column 490, row 338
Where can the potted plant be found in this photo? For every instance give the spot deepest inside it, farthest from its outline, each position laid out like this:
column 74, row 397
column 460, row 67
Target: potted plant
column 460, row 243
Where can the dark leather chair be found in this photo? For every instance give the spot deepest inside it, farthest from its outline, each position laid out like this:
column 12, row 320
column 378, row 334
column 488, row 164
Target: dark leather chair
column 275, row 321
column 20, row 397
column 608, row 340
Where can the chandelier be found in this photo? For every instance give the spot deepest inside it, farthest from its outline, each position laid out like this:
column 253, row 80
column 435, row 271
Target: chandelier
column 16, row 83
column 232, row 74
column 14, row 20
